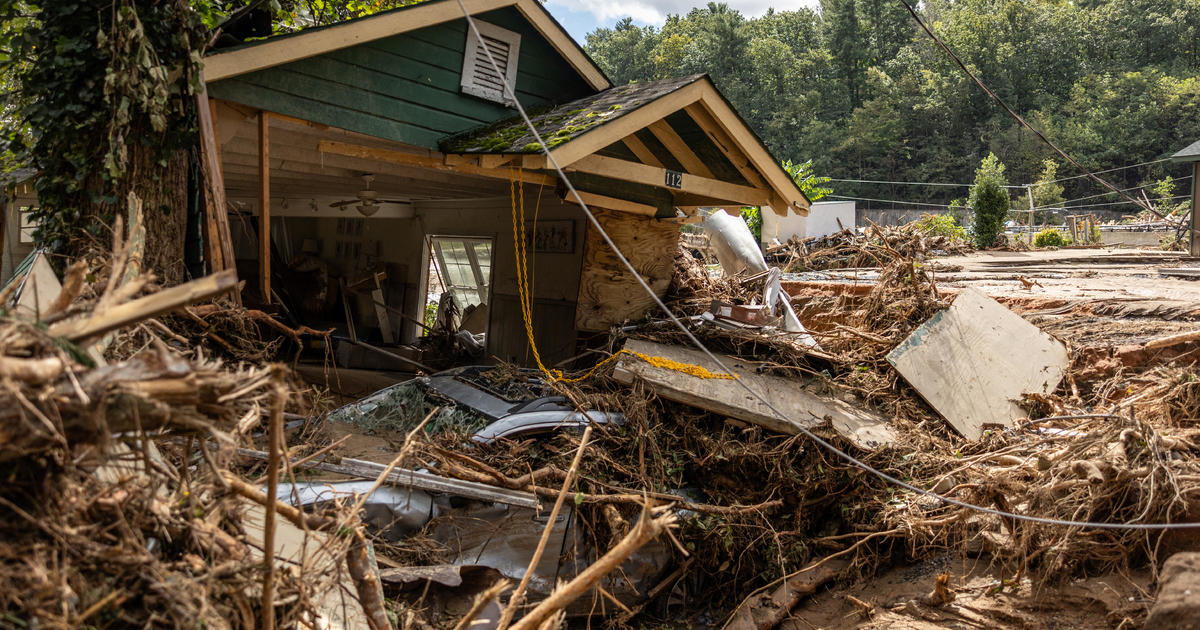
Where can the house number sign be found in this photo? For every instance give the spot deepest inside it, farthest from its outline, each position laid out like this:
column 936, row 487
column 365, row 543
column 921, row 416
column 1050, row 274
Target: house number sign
column 674, row 179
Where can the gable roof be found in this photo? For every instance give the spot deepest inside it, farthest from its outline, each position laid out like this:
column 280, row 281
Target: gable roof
column 281, row 49
column 1190, row 153
column 577, row 131
column 565, row 122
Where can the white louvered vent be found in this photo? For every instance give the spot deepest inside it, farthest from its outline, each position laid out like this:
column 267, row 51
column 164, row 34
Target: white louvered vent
column 479, row 77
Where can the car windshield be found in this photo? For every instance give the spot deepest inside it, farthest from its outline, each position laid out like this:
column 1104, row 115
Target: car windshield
column 402, row 407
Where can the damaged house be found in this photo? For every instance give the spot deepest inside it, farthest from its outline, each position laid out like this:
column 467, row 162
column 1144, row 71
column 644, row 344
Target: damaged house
column 378, row 160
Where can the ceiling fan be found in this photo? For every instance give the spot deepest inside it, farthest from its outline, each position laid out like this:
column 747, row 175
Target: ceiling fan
column 367, row 201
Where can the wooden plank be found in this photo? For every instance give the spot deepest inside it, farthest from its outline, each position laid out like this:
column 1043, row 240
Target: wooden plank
column 656, row 176
column 1195, row 241
column 973, row 361
column 725, row 144
column 264, row 206
column 425, row 161
column 217, row 218
column 608, row 294
column 680, row 149
column 642, row 151
column 728, row 121
column 563, row 43
column 597, row 202
column 146, row 307
column 801, row 408
column 319, row 41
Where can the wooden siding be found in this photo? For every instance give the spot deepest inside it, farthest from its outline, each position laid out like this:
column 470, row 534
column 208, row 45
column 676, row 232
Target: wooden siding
column 404, row 88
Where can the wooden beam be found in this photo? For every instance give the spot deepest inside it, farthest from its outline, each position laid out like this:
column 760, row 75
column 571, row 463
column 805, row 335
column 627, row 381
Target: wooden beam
column 595, row 201
column 273, row 52
column 682, row 152
column 146, row 307
column 220, row 250
column 485, row 160
column 725, row 144
column 642, row 151
column 264, row 206
column 622, row 126
column 424, row 161
column 1195, row 242
column 563, row 43
column 656, row 176
column 729, row 122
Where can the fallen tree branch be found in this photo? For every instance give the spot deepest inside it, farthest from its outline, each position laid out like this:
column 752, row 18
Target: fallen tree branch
column 647, row 528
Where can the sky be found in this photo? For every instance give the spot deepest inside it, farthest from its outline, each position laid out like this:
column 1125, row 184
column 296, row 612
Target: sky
column 581, row 17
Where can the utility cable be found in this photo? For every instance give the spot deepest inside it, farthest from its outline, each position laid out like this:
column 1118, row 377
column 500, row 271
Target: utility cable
column 897, row 201
column 1018, row 117
column 591, row 217
column 877, row 181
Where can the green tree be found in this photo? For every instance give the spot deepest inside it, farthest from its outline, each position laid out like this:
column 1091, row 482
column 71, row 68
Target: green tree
column 1046, row 193
column 988, row 201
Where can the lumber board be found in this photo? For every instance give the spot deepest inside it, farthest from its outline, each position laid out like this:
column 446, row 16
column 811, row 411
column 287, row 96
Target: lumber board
column 176, row 297
column 264, row 206
column 802, row 407
column 973, row 361
column 608, row 293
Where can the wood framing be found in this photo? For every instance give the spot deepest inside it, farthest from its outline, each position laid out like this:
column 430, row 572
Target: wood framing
column 713, row 114
column 678, row 148
column 1195, row 241
column 317, row 41
column 425, row 161
column 656, row 176
column 642, row 151
column 595, row 201
column 728, row 121
column 724, row 144
column 264, row 206
column 626, row 124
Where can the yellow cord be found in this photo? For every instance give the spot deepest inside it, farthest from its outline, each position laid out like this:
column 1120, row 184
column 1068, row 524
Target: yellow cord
column 525, row 297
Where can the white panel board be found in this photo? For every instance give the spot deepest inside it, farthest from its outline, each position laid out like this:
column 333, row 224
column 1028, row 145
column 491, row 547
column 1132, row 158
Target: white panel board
column 974, row 360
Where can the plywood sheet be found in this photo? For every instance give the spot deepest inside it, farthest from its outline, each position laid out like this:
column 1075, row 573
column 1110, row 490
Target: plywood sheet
column 974, row 360
column 801, row 407
column 608, row 293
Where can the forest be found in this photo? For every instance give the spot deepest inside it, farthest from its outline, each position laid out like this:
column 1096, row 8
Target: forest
column 858, row 88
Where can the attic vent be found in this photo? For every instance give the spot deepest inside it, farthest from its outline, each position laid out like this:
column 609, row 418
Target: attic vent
column 479, row 77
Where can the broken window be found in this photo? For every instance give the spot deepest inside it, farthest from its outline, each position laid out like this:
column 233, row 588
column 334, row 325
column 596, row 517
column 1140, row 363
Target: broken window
column 462, row 267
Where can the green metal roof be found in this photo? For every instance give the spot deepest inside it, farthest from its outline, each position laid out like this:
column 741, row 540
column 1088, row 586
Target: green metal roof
column 563, row 123
column 1189, row 154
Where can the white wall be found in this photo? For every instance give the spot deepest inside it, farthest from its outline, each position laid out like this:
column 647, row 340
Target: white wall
column 822, row 219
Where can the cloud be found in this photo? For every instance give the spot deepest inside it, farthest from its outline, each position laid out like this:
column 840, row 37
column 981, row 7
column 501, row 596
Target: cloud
column 656, row 11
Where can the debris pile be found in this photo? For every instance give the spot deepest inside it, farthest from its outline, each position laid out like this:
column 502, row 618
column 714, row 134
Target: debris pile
column 122, row 505
column 874, row 246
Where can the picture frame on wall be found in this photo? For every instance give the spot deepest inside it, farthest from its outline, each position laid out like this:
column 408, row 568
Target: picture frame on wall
column 552, row 237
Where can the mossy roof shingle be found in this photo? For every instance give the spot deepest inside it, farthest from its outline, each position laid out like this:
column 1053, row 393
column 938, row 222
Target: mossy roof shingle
column 565, row 122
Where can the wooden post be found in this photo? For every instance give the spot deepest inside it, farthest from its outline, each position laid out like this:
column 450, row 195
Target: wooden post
column 264, row 207
column 1195, row 241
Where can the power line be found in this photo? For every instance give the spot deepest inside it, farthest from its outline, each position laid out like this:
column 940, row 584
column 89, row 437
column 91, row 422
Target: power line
column 897, row 201
column 1114, row 203
column 876, row 181
column 1017, row 116
column 595, row 223
column 1180, row 179
column 1119, row 168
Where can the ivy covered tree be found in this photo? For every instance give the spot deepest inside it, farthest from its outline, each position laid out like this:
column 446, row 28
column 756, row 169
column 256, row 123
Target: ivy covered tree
column 988, row 201
column 102, row 102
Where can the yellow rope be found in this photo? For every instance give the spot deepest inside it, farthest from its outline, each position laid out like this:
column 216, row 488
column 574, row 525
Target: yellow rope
column 525, row 297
